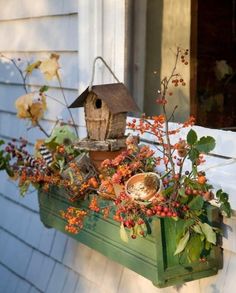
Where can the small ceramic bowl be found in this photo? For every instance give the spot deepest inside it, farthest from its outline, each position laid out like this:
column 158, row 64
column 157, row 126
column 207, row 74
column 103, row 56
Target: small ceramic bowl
column 135, row 187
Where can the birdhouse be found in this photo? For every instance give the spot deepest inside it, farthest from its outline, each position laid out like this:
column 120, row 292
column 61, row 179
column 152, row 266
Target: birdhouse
column 106, row 107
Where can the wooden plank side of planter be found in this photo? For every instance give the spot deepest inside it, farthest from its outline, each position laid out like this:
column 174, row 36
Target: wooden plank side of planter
column 177, row 270
column 152, row 257
column 108, row 244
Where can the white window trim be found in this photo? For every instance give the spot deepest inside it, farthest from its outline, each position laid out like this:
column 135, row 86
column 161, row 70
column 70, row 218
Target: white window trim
column 101, row 29
column 101, row 33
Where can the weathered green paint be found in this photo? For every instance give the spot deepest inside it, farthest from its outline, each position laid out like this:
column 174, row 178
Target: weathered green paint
column 152, row 257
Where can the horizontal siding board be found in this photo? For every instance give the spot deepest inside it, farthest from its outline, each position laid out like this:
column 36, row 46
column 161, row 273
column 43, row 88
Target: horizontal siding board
column 8, row 189
column 23, row 8
column 44, row 33
column 40, row 270
column 68, row 69
column 112, row 275
column 21, row 131
column 58, row 279
column 21, row 252
column 70, row 283
column 56, row 108
column 22, row 286
column 77, row 256
column 12, row 223
column 9, row 93
column 5, row 277
column 58, row 248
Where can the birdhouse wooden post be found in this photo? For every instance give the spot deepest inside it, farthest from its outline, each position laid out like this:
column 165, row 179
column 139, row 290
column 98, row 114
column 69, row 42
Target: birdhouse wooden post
column 106, row 107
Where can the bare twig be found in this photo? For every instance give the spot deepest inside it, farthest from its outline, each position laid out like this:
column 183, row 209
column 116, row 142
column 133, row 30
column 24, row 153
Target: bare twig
column 24, row 77
column 165, row 83
column 38, row 124
column 64, row 97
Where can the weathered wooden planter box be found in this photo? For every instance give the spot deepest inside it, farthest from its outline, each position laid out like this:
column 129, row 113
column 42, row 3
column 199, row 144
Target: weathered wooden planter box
column 152, row 257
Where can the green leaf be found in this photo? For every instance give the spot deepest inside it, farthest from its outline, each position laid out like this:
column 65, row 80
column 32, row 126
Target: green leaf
column 24, row 187
column 188, row 223
column 202, row 237
column 191, row 137
column 218, row 193
column 194, row 248
column 208, row 245
column 44, row 89
column 182, row 243
column 208, row 232
column 226, row 209
column 205, row 144
column 179, row 228
column 9, row 171
column 181, row 192
column 224, row 197
column 51, row 144
column 123, row 233
column 71, row 177
column 196, row 203
column 142, row 228
column 61, row 164
column 61, row 135
column 193, row 155
column 197, row 229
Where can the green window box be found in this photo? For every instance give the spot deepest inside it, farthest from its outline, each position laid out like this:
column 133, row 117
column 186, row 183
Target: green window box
column 152, row 256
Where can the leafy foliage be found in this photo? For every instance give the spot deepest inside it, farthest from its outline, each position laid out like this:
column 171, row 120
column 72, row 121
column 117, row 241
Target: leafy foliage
column 182, row 243
column 197, row 146
column 5, row 160
column 191, row 137
column 205, row 144
column 223, row 200
column 61, row 135
column 196, row 203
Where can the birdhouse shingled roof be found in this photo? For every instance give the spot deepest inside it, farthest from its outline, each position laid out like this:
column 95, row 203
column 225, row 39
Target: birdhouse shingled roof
column 115, row 95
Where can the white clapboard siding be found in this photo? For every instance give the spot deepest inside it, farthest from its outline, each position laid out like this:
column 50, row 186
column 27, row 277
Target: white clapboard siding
column 25, row 9
column 32, row 31
column 56, row 106
column 68, row 71
column 46, row 33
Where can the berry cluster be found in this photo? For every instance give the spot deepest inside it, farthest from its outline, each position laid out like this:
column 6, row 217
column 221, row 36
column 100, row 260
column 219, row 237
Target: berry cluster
column 184, row 55
column 177, row 82
column 75, row 219
column 18, row 152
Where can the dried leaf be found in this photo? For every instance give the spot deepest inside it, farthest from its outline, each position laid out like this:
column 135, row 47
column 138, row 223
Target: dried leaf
column 29, row 69
column 50, row 67
column 31, row 106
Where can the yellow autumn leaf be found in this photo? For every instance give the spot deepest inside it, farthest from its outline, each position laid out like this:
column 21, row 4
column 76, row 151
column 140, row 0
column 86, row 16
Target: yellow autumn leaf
column 50, row 67
column 29, row 69
column 23, row 105
column 31, row 106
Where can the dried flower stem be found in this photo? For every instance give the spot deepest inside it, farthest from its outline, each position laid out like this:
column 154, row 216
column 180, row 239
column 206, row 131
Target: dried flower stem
column 24, row 77
column 38, row 124
column 64, row 97
column 165, row 83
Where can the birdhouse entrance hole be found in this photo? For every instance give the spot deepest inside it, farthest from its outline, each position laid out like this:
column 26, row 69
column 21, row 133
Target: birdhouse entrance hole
column 98, row 104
